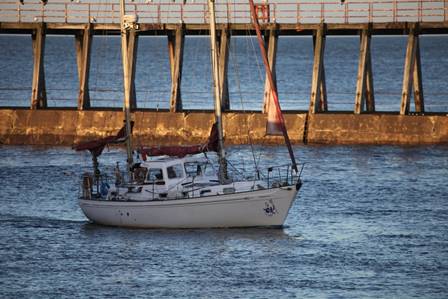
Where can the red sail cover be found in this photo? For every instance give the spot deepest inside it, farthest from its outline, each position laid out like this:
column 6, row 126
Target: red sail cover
column 97, row 146
column 181, row 151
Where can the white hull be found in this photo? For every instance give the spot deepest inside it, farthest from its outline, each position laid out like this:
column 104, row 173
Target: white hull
column 267, row 207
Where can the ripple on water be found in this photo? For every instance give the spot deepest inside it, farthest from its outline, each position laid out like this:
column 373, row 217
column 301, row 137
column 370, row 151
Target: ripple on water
column 370, row 222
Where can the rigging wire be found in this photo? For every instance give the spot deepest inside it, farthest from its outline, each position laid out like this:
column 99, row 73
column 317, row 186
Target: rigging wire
column 234, row 60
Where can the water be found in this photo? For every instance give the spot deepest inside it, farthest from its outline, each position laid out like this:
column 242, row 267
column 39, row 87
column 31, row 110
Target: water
column 246, row 79
column 370, row 222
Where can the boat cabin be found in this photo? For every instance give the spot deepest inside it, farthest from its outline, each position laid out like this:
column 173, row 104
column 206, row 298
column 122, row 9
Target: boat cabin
column 164, row 171
column 168, row 172
column 167, row 177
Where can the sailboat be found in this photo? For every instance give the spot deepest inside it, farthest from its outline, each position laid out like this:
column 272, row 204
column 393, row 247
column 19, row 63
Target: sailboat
column 179, row 187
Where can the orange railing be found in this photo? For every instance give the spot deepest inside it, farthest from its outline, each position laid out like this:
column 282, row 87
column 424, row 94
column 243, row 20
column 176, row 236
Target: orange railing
column 236, row 11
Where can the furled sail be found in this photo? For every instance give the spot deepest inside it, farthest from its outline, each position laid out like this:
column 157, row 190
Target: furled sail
column 181, row 151
column 277, row 120
column 274, row 123
column 97, row 146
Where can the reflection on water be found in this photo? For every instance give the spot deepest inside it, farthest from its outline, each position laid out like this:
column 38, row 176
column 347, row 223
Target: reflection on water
column 369, row 222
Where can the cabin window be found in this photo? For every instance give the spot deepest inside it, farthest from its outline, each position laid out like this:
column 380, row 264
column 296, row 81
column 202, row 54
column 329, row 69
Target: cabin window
column 193, row 169
column 175, row 171
column 155, row 174
column 199, row 168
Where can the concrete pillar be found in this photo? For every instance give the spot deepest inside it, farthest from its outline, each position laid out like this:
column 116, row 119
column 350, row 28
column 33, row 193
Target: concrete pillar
column 408, row 73
column 412, row 74
column 132, row 58
column 317, row 85
column 364, row 98
column 38, row 93
column 83, row 42
column 176, row 51
column 271, row 41
column 322, row 86
column 370, row 93
column 223, row 61
column 417, row 76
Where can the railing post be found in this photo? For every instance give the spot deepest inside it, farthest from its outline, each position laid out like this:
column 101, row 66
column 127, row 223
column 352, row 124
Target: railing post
column 88, row 10
column 65, row 12
column 43, row 13
column 19, row 11
column 298, row 12
column 419, row 10
column 394, row 12
column 370, row 12
column 322, row 7
column 275, row 13
column 445, row 18
column 228, row 12
column 181, row 13
column 346, row 13
column 159, row 17
column 112, row 14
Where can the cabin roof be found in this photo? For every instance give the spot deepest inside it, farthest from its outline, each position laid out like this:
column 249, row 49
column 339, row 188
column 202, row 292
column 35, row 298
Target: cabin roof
column 165, row 161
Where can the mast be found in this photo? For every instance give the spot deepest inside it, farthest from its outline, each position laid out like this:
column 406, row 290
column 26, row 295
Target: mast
column 127, row 102
column 217, row 93
column 271, row 82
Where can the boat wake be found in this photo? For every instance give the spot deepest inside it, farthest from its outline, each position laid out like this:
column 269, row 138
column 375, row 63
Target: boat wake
column 36, row 221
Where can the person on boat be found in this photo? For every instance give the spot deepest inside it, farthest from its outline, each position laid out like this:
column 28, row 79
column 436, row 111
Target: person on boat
column 136, row 164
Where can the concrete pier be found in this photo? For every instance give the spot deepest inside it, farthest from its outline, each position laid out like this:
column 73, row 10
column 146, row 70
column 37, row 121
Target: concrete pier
column 43, row 125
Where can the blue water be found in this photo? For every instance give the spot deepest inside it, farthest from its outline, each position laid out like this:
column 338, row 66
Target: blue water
column 246, row 79
column 369, row 222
